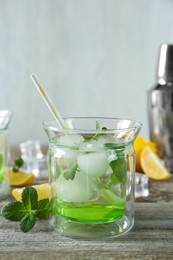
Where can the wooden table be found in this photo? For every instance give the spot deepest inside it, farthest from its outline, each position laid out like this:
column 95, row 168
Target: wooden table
column 150, row 238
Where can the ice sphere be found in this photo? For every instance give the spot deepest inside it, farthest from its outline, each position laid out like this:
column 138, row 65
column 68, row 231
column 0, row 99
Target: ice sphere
column 77, row 190
column 64, row 152
column 93, row 164
column 91, row 146
column 103, row 139
column 70, row 140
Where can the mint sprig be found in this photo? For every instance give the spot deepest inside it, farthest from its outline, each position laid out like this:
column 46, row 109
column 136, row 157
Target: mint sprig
column 29, row 209
column 98, row 128
column 18, row 163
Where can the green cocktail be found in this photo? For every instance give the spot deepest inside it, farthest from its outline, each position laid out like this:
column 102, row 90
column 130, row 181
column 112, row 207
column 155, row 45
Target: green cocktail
column 92, row 166
column 90, row 213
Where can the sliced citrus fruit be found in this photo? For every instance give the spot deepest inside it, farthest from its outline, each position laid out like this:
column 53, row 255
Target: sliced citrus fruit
column 153, row 166
column 19, row 178
column 139, row 144
column 43, row 190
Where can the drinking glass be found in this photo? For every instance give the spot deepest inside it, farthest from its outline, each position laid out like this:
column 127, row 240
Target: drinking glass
column 92, row 176
column 5, row 117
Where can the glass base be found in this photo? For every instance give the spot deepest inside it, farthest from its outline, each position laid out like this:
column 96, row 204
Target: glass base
column 94, row 231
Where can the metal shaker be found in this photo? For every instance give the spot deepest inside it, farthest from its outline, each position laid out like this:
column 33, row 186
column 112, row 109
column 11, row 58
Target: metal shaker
column 160, row 106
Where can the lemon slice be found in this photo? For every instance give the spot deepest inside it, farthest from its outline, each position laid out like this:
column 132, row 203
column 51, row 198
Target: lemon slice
column 152, row 165
column 19, row 178
column 44, row 191
column 139, row 144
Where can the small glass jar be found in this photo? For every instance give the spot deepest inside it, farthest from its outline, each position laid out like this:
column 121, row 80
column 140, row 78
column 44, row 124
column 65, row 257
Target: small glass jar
column 92, row 176
column 34, row 160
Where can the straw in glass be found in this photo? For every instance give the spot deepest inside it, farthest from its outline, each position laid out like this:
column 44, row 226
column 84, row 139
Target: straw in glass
column 48, row 101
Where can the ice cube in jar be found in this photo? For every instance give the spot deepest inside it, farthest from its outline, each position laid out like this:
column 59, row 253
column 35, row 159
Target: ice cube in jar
column 80, row 189
column 93, row 164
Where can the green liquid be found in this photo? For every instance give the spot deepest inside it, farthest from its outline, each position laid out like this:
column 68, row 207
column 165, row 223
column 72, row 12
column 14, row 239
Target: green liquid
column 90, row 213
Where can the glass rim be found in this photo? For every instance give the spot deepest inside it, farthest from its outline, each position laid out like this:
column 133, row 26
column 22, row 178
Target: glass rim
column 53, row 125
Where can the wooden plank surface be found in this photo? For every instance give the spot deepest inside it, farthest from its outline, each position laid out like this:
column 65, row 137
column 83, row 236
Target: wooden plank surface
column 159, row 191
column 150, row 238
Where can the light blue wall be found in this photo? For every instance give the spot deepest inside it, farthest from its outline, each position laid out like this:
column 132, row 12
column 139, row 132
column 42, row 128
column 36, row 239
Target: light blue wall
column 95, row 58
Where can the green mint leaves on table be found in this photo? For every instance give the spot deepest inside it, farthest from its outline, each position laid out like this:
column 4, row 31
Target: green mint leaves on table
column 29, row 209
column 18, row 164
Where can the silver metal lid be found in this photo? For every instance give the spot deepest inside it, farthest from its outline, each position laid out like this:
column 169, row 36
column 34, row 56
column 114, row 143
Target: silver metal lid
column 165, row 64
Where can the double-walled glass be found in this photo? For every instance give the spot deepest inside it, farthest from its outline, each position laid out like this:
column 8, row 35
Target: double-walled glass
column 91, row 170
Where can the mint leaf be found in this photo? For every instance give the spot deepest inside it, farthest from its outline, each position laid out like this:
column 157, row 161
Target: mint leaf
column 114, row 146
column 15, row 169
column 14, row 211
column 43, row 209
column 46, row 208
column 98, row 125
column 119, row 168
column 30, row 198
column 70, row 174
column 19, row 162
column 27, row 222
column 114, row 179
column 29, row 209
column 94, row 137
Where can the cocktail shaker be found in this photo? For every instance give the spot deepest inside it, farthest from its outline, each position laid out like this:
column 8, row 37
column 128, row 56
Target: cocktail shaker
column 160, row 106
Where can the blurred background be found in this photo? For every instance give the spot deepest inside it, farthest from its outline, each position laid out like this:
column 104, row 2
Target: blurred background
column 94, row 57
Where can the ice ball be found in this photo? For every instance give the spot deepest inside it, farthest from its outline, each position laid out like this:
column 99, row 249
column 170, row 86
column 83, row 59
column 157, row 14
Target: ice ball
column 77, row 190
column 93, row 164
column 91, row 146
column 70, row 139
